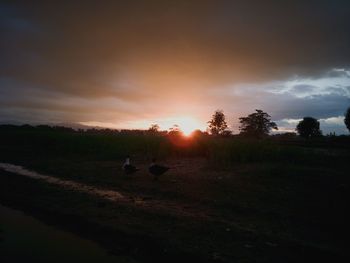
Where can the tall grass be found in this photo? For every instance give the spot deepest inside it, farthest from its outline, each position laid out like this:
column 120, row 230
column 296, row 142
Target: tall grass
column 220, row 152
column 226, row 152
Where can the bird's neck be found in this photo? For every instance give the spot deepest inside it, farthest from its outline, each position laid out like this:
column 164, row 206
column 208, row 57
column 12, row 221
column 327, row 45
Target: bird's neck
column 127, row 161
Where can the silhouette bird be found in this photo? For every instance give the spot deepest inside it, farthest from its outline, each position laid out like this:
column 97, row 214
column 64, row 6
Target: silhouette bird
column 129, row 168
column 157, row 169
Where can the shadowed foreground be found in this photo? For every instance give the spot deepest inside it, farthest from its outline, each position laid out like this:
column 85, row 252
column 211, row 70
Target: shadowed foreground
column 223, row 207
column 216, row 218
column 26, row 239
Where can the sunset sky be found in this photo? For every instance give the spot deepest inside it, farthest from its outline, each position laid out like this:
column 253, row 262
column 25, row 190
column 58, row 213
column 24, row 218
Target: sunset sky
column 128, row 64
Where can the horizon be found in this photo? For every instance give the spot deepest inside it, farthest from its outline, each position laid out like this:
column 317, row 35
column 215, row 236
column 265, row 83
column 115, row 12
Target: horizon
column 186, row 133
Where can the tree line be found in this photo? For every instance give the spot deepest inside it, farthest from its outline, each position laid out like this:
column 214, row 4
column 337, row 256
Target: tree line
column 259, row 125
column 255, row 125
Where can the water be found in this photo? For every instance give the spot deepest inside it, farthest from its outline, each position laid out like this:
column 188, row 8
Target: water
column 26, row 239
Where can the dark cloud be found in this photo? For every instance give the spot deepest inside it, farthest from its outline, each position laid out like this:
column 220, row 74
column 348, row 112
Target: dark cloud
column 341, row 91
column 328, row 125
column 229, row 39
column 290, row 104
column 338, row 73
column 318, row 106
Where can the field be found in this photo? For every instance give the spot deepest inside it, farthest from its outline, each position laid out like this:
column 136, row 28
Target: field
column 224, row 199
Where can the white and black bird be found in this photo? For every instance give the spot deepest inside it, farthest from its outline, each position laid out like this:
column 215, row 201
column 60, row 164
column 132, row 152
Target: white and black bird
column 129, row 168
column 156, row 169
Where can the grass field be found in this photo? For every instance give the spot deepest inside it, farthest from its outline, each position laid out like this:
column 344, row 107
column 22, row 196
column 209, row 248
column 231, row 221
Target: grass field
column 225, row 199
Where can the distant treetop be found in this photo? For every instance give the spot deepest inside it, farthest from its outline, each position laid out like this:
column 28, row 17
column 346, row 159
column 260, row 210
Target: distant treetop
column 154, row 128
column 217, row 124
column 309, row 127
column 257, row 124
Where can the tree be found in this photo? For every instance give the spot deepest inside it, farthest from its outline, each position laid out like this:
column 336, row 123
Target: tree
column 217, row 124
column 347, row 119
column 154, row 128
column 309, row 127
column 175, row 130
column 198, row 133
column 257, row 124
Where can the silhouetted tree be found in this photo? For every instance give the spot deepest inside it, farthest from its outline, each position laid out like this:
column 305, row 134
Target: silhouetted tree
column 257, row 124
column 331, row 134
column 309, row 127
column 175, row 130
column 177, row 137
column 285, row 136
column 226, row 133
column 154, row 128
column 217, row 124
column 347, row 119
column 198, row 133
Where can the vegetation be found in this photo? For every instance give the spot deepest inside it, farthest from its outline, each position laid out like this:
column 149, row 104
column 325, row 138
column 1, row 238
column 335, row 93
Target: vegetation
column 309, row 127
column 347, row 119
column 256, row 125
column 27, row 142
column 154, row 128
column 227, row 198
column 217, row 124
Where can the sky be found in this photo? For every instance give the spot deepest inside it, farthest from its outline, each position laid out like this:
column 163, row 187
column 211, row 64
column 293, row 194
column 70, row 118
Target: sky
column 128, row 64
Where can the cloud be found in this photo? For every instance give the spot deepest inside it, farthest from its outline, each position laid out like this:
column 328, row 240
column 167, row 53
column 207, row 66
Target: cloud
column 155, row 38
column 339, row 121
column 327, row 125
column 125, row 62
column 292, row 99
column 338, row 73
column 302, row 88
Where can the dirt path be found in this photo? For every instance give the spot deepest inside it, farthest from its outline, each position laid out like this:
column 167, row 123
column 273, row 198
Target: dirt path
column 173, row 208
column 165, row 207
column 107, row 194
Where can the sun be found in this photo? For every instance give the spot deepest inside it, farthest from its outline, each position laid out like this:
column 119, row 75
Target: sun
column 187, row 124
column 187, row 131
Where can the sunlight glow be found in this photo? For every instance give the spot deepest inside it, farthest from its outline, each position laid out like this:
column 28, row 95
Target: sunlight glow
column 186, row 124
column 99, row 124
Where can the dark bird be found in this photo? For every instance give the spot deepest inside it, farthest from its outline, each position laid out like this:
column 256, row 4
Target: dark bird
column 129, row 168
column 157, row 169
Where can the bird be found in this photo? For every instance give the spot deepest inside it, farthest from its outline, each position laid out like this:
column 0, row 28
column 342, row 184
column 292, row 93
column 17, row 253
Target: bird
column 129, row 168
column 157, row 169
